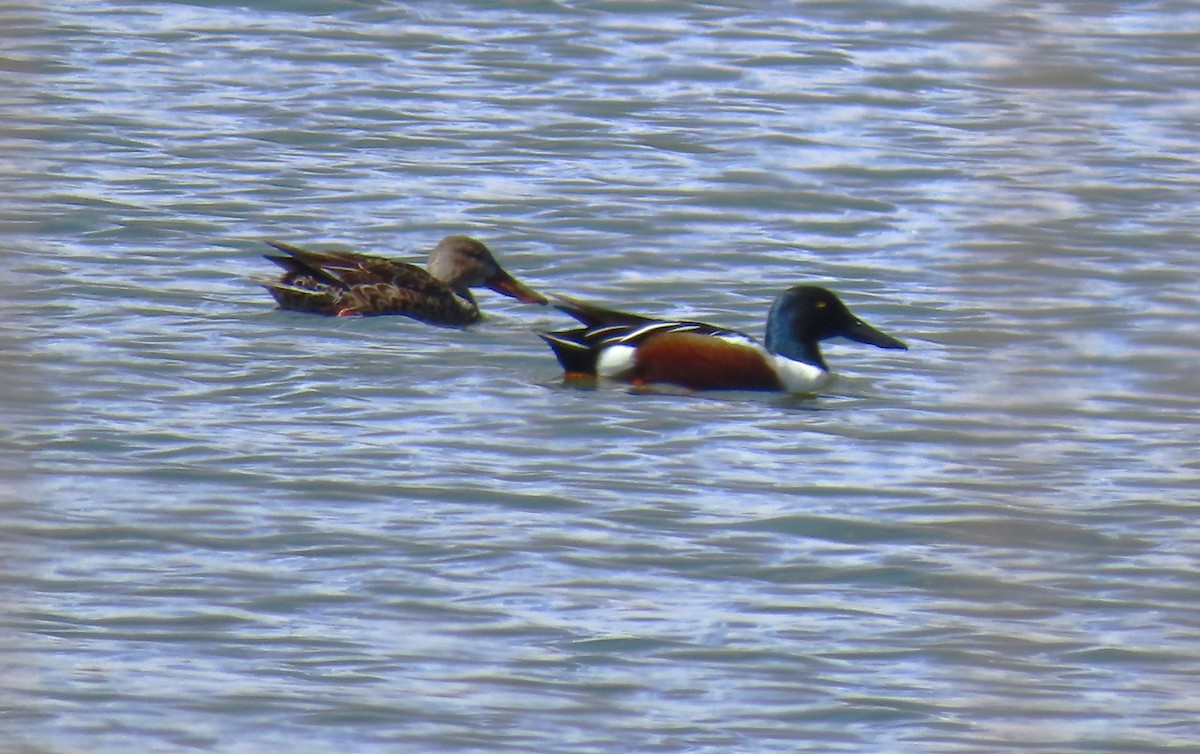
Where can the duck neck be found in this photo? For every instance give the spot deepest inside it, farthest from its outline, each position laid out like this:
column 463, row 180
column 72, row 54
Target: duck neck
column 783, row 340
column 468, row 300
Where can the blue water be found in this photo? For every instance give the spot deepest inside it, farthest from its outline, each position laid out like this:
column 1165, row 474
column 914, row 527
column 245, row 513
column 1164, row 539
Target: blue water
column 233, row 529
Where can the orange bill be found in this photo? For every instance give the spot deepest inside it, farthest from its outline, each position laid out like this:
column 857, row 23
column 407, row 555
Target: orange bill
column 504, row 283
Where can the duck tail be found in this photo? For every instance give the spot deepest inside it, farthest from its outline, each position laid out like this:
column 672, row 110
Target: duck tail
column 572, row 352
column 323, row 266
column 297, row 298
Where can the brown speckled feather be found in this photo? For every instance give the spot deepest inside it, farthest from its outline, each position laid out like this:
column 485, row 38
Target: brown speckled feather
column 343, row 283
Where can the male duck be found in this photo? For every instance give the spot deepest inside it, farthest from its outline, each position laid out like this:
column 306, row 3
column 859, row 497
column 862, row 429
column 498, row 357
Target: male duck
column 700, row 356
column 344, row 283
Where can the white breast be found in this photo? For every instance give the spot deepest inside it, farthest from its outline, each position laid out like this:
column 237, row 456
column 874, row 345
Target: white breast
column 798, row 377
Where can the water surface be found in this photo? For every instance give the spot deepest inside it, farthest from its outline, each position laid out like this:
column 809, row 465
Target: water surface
column 233, row 529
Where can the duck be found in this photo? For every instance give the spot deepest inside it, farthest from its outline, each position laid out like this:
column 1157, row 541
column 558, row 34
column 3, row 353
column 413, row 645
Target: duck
column 342, row 283
column 699, row 356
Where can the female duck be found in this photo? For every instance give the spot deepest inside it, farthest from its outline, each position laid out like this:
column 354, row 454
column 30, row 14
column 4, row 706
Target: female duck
column 343, row 283
column 700, row 356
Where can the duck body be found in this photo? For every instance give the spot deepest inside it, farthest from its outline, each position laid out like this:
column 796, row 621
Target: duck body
column 700, row 356
column 344, row 283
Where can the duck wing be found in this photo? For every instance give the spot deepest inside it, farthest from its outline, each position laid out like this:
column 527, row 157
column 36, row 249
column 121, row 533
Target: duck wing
column 606, row 327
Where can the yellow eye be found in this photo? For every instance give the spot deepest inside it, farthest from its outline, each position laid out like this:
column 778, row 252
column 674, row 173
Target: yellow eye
column 822, row 304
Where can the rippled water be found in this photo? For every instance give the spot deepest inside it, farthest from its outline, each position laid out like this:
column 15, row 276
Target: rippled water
column 233, row 529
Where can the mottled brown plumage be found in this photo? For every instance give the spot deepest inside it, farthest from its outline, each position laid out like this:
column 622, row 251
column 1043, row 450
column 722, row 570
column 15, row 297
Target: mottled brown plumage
column 344, row 283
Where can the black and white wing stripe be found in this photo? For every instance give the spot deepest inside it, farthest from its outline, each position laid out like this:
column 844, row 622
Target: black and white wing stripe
column 580, row 348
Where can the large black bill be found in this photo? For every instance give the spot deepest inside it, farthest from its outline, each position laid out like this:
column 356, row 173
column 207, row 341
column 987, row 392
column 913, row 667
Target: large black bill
column 864, row 333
